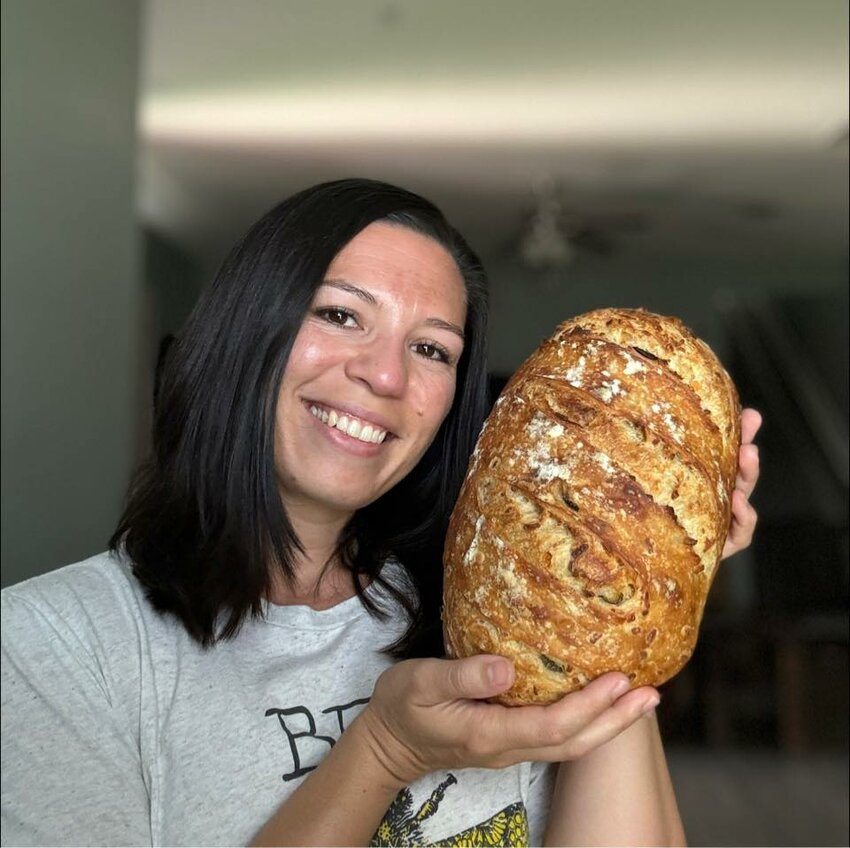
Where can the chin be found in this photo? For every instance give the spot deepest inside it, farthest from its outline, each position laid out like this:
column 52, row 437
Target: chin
column 354, row 503
column 343, row 502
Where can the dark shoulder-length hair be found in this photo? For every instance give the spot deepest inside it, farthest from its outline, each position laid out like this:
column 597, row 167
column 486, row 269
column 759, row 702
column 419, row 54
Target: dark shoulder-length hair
column 204, row 523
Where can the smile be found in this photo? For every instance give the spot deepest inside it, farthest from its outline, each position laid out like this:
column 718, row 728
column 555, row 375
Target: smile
column 349, row 425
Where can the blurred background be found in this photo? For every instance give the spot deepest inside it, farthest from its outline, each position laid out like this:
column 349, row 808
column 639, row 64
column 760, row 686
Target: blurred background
column 688, row 157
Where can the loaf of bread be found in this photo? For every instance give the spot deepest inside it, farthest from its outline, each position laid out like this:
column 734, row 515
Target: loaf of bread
column 595, row 508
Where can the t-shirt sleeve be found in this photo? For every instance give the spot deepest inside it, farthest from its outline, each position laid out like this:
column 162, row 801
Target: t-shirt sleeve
column 71, row 771
column 540, row 788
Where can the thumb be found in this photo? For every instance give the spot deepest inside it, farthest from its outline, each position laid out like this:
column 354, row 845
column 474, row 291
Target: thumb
column 480, row 676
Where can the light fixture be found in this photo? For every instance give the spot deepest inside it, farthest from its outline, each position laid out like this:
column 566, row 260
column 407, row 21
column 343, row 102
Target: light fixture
column 543, row 243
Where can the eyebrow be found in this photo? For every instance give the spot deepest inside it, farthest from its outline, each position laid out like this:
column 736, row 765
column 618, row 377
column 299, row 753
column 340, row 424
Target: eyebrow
column 352, row 289
column 369, row 298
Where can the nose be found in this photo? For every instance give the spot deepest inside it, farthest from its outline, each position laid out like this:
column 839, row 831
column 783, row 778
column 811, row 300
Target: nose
column 381, row 365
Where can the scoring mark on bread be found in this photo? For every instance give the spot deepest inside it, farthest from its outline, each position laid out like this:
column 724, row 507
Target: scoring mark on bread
column 676, row 349
column 703, row 391
column 673, row 477
column 596, row 574
column 568, row 568
column 646, row 354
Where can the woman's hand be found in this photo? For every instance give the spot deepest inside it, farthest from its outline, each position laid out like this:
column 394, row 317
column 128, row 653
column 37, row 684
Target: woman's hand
column 427, row 715
column 744, row 517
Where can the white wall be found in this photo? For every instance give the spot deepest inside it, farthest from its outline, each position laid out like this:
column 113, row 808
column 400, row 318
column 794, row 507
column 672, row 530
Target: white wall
column 70, row 281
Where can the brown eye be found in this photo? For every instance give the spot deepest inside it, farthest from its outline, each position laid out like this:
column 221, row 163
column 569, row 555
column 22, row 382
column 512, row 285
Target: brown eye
column 336, row 315
column 432, row 351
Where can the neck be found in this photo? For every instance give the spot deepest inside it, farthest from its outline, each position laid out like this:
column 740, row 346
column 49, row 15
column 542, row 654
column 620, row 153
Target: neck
column 320, row 579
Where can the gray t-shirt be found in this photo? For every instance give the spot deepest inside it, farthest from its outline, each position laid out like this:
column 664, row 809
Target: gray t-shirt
column 119, row 729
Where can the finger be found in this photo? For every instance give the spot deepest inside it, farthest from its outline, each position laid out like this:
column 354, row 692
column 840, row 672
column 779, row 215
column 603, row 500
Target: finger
column 550, row 726
column 614, row 721
column 751, row 420
column 482, row 676
column 744, row 520
column 603, row 727
column 748, row 469
column 744, row 516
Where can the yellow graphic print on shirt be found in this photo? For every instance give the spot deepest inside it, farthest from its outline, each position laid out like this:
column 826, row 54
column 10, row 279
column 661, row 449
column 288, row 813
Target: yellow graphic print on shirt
column 402, row 826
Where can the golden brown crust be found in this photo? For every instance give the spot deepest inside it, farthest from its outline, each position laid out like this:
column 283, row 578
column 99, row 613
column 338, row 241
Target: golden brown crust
column 589, row 528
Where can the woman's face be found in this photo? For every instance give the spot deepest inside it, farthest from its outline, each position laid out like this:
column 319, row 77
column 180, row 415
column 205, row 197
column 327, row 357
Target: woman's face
column 372, row 371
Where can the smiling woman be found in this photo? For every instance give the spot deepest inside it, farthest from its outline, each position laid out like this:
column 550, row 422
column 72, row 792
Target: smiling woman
column 230, row 668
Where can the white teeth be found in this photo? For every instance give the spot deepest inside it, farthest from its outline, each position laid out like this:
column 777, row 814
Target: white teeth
column 350, row 426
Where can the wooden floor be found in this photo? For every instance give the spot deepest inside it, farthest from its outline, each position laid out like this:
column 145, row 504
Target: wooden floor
column 761, row 797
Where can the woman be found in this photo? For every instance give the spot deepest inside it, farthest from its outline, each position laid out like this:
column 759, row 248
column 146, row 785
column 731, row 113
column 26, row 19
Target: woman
column 228, row 671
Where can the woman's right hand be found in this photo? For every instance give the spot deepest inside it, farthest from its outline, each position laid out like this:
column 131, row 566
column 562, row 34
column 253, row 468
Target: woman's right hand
column 428, row 715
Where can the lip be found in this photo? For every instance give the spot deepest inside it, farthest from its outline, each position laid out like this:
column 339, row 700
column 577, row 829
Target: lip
column 357, row 411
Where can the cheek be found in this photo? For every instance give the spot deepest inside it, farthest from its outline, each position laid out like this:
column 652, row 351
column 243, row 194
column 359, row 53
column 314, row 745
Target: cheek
column 307, row 357
column 435, row 403
column 306, row 350
column 304, row 360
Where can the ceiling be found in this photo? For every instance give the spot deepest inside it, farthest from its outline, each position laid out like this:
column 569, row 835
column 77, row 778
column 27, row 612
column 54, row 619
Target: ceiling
column 723, row 125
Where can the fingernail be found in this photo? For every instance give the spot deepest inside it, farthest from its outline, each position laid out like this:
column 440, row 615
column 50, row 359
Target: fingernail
column 499, row 673
column 620, row 687
column 650, row 704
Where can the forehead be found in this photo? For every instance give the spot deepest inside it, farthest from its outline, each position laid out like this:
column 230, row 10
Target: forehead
column 393, row 261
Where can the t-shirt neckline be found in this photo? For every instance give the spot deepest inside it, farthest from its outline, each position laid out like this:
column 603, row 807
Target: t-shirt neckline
column 304, row 617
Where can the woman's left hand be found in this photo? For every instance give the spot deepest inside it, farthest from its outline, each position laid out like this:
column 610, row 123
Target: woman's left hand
column 744, row 517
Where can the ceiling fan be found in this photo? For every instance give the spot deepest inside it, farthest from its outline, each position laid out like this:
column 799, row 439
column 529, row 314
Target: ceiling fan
column 553, row 234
